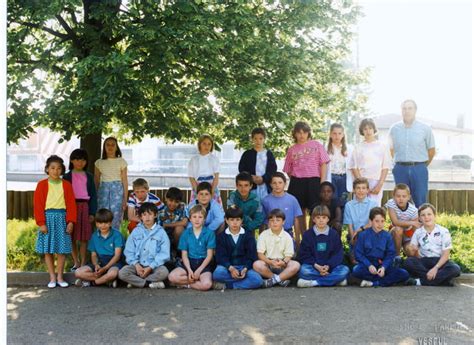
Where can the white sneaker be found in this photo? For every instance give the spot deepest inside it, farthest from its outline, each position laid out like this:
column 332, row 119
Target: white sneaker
column 343, row 283
column 51, row 285
column 63, row 284
column 86, row 284
column 129, row 286
column 303, row 283
column 78, row 282
column 366, row 283
column 114, row 284
column 157, row 285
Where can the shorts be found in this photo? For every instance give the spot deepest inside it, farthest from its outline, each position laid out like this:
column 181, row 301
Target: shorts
column 305, row 190
column 195, row 263
column 104, row 260
column 275, row 270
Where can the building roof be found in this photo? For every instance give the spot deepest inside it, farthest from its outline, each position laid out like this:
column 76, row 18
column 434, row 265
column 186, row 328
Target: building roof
column 387, row 120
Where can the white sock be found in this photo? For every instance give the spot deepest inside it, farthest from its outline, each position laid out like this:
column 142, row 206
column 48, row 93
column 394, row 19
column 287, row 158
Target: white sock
column 276, row 278
column 418, row 282
column 314, row 283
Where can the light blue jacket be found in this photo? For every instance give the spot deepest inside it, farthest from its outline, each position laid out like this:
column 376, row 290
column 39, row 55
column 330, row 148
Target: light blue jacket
column 147, row 247
column 214, row 218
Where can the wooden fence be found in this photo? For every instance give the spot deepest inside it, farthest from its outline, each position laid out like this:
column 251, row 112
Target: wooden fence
column 20, row 203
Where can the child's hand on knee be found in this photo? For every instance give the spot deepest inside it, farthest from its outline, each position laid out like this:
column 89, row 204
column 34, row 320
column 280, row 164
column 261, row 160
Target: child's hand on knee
column 372, row 269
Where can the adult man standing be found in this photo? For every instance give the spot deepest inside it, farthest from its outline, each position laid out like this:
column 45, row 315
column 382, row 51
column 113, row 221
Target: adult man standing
column 412, row 148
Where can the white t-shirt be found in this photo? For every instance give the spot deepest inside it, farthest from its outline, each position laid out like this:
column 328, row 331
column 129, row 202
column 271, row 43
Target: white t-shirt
column 203, row 165
column 432, row 244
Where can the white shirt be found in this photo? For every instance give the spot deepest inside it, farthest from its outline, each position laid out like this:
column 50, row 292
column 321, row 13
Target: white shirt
column 432, row 244
column 203, row 165
column 235, row 237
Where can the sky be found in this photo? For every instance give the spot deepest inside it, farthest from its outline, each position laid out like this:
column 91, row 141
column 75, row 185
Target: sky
column 421, row 50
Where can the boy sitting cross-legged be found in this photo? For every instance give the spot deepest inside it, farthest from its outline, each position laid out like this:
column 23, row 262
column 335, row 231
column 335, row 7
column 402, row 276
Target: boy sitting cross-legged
column 105, row 245
column 197, row 246
column 321, row 253
column 275, row 250
column 235, row 254
column 146, row 251
column 374, row 252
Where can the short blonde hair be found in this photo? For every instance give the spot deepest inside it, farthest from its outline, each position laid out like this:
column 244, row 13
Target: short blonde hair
column 198, row 209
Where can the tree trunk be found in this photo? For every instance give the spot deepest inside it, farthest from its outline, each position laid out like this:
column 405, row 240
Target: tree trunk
column 92, row 144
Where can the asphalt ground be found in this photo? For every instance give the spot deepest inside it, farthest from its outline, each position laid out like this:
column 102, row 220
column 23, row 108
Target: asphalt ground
column 335, row 315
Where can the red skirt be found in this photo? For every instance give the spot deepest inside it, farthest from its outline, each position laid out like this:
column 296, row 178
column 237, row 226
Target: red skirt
column 83, row 228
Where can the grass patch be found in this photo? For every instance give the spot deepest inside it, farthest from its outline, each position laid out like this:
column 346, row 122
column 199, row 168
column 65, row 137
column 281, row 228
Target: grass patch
column 21, row 239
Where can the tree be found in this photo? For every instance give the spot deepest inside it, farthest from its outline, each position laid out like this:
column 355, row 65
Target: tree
column 177, row 69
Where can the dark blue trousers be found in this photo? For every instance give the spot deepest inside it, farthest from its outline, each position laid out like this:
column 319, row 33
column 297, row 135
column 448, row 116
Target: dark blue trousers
column 392, row 275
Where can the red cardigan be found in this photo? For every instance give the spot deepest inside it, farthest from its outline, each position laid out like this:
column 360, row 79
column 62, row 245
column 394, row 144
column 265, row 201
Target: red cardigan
column 39, row 202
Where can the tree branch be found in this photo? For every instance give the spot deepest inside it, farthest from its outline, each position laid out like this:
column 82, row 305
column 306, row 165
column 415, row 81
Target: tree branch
column 70, row 31
column 44, row 64
column 46, row 29
column 73, row 16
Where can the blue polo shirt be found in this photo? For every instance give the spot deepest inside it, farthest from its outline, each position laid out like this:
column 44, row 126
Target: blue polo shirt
column 357, row 212
column 197, row 247
column 411, row 144
column 107, row 245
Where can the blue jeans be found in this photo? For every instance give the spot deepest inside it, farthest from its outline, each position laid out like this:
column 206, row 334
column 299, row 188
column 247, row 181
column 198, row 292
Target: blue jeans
column 337, row 275
column 416, row 177
column 339, row 183
column 252, row 279
column 392, row 275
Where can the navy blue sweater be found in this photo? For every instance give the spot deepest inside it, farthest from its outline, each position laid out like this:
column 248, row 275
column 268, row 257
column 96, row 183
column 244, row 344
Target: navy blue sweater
column 321, row 249
column 249, row 160
column 375, row 248
column 242, row 253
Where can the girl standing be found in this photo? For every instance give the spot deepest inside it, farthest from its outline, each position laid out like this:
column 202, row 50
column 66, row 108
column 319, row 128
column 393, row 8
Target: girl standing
column 86, row 202
column 110, row 176
column 55, row 214
column 371, row 159
column 260, row 163
column 305, row 163
column 204, row 167
column 339, row 153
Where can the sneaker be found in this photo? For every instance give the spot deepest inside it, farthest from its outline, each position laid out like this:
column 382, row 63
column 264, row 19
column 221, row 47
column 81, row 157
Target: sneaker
column 129, row 286
column 284, row 283
column 397, row 262
column 267, row 283
column 78, row 282
column 86, row 284
column 366, row 283
column 113, row 284
column 51, row 285
column 74, row 268
column 157, row 285
column 183, row 286
column 218, row 286
column 410, row 282
column 63, row 284
column 343, row 283
column 303, row 283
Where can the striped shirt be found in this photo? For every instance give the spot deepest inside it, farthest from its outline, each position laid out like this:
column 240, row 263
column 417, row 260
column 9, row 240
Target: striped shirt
column 410, row 213
column 111, row 168
column 135, row 203
column 305, row 160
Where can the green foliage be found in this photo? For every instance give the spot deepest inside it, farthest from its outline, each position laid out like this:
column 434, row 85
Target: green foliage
column 176, row 69
column 21, row 238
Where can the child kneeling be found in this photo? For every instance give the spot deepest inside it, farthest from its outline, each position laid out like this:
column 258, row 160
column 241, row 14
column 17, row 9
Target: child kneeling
column 375, row 252
column 275, row 249
column 146, row 251
column 197, row 246
column 235, row 254
column 321, row 253
column 105, row 245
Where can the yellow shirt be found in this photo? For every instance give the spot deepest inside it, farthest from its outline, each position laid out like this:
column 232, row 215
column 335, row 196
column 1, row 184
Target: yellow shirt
column 111, row 168
column 55, row 197
column 275, row 246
